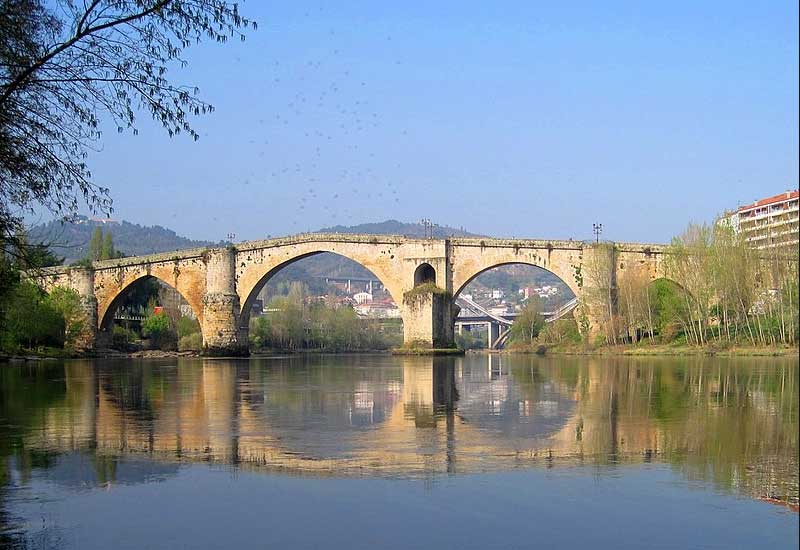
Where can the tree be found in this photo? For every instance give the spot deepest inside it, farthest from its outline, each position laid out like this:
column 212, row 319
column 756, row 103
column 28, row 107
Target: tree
column 107, row 251
column 157, row 327
column 67, row 303
column 600, row 292
column 30, row 320
column 529, row 323
column 37, row 256
column 96, row 244
column 67, row 67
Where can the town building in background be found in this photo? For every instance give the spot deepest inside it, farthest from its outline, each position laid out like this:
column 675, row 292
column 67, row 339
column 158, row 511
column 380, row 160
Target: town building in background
column 772, row 222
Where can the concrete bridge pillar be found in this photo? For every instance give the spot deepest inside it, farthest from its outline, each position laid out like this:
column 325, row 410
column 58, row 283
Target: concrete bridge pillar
column 220, row 325
column 493, row 333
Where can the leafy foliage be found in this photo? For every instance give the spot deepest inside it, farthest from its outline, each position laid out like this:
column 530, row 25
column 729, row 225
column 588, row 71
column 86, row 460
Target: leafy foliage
column 191, row 342
column 101, row 246
column 302, row 324
column 66, row 67
column 528, row 324
column 30, row 320
column 68, row 304
column 158, row 328
column 186, row 326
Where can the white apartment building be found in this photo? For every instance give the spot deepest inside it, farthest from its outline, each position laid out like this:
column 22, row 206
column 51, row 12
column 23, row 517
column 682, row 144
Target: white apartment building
column 768, row 223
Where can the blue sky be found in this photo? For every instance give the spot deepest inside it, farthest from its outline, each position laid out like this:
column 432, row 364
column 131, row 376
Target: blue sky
column 515, row 119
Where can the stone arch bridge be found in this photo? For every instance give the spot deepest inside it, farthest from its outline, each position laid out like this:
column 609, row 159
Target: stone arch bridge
column 421, row 275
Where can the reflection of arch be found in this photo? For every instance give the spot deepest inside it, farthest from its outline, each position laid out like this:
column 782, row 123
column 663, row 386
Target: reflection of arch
column 425, row 273
column 483, row 270
column 251, row 294
column 105, row 314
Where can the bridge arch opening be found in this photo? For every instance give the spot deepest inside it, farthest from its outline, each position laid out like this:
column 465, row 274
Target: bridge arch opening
column 320, row 301
column 126, row 323
column 424, row 274
column 494, row 298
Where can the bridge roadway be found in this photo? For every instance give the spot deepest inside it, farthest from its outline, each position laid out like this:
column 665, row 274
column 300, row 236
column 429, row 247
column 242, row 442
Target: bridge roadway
column 421, row 275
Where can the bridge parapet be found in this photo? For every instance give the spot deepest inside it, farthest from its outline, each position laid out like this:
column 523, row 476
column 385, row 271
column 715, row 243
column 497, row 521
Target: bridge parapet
column 220, row 283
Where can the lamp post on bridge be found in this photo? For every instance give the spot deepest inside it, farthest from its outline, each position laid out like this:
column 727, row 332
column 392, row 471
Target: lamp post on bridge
column 597, row 228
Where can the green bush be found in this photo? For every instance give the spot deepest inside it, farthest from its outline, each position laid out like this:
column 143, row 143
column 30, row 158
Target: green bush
column 158, row 329
column 296, row 324
column 68, row 304
column 528, row 324
column 191, row 342
column 187, row 326
column 467, row 341
column 122, row 338
column 562, row 331
column 30, row 320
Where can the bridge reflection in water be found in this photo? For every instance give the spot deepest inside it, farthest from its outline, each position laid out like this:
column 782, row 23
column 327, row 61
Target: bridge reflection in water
column 734, row 423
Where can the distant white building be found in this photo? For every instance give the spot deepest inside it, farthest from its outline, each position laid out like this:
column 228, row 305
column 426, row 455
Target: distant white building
column 377, row 310
column 497, row 294
column 362, row 297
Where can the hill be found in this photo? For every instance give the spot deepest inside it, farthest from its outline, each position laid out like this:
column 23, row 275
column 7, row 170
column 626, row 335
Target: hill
column 70, row 239
column 394, row 227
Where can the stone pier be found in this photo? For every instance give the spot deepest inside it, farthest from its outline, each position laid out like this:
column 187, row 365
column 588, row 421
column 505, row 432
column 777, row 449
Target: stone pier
column 221, row 331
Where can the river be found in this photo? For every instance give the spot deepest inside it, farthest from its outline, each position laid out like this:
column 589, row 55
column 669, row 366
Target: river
column 368, row 451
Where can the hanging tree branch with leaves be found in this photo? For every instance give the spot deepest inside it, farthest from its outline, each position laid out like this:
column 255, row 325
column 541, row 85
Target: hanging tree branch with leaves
column 68, row 65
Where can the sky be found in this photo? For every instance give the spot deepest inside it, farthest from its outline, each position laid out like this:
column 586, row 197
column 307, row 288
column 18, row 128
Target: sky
column 516, row 119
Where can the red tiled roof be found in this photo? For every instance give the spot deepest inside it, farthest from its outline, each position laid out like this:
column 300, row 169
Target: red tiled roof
column 770, row 200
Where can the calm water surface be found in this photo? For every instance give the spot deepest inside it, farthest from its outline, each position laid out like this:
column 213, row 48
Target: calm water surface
column 378, row 451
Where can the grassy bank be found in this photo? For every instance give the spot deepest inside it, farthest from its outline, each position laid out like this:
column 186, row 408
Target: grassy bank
column 658, row 350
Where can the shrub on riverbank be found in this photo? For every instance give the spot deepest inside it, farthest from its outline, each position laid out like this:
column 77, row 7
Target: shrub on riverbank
column 158, row 329
column 298, row 323
column 191, row 342
column 30, row 319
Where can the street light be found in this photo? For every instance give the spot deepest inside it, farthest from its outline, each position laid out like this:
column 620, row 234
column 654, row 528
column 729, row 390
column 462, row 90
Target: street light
column 597, row 228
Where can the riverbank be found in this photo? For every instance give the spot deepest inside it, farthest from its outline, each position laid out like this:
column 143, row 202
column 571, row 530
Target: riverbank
column 541, row 349
column 55, row 355
column 657, row 350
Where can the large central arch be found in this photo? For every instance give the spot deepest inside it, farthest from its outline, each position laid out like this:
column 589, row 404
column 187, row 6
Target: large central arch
column 254, row 267
column 254, row 272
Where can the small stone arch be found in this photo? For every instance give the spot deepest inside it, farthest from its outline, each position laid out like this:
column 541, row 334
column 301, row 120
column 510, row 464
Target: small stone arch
column 424, row 273
column 105, row 314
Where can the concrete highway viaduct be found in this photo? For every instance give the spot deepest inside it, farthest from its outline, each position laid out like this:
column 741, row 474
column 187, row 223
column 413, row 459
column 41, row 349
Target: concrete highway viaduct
column 422, row 276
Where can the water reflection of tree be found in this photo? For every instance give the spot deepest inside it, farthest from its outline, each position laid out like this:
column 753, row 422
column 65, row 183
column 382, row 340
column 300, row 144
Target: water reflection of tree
column 26, row 394
column 722, row 421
